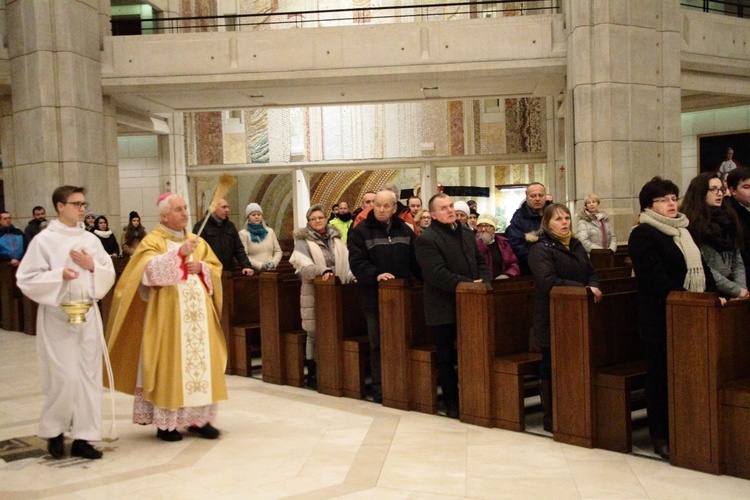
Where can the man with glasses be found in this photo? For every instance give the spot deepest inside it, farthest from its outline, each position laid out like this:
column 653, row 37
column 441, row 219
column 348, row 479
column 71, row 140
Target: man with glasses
column 66, row 263
column 496, row 250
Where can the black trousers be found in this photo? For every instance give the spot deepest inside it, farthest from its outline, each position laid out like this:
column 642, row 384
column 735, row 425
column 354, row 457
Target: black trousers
column 373, row 333
column 447, row 357
column 657, row 396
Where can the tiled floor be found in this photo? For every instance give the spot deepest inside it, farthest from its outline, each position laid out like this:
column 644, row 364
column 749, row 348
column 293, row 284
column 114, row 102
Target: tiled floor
column 281, row 442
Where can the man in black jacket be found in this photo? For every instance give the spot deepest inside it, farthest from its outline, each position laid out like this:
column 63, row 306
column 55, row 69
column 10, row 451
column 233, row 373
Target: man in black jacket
column 36, row 224
column 221, row 235
column 380, row 249
column 448, row 255
column 738, row 182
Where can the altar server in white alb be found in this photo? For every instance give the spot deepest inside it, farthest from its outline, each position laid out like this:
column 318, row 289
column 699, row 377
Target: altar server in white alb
column 65, row 262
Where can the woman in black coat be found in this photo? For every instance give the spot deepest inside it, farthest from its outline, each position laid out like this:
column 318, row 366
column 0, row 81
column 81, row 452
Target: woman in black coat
column 665, row 258
column 556, row 258
column 109, row 241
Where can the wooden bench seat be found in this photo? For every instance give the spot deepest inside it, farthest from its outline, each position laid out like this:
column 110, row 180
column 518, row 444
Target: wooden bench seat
column 735, row 410
column 617, row 390
column 510, row 377
column 423, row 376
column 356, row 352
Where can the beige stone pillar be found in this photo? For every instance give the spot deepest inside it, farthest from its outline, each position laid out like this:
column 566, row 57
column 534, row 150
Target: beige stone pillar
column 60, row 132
column 624, row 74
column 173, row 174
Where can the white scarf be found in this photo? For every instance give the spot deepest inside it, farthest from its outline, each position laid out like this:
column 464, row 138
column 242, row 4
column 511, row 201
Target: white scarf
column 695, row 278
column 103, row 234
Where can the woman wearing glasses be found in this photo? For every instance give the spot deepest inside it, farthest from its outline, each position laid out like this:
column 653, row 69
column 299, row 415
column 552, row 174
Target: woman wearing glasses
column 423, row 219
column 716, row 230
column 318, row 251
column 665, row 259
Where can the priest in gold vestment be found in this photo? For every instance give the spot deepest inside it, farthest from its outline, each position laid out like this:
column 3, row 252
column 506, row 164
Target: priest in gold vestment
column 164, row 337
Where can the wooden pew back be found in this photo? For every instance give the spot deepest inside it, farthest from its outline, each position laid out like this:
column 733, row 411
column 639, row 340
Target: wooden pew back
column 586, row 337
column 708, row 353
column 341, row 338
column 282, row 337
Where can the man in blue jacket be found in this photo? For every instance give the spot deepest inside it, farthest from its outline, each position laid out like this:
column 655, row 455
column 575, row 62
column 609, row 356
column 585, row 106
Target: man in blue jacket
column 527, row 219
column 13, row 241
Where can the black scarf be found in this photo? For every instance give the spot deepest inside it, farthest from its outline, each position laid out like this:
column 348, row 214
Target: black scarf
column 720, row 233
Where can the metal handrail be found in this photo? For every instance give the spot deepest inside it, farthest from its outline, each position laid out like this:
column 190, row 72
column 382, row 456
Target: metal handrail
column 358, row 15
column 720, row 7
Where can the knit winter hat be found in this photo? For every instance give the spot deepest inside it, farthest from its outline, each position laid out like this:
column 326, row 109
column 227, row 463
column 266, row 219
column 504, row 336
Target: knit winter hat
column 134, row 215
column 89, row 214
column 253, row 207
column 486, row 219
column 461, row 206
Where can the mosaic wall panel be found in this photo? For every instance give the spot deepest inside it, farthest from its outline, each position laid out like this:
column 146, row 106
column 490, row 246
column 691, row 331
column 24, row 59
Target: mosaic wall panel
column 456, row 123
column 526, row 127
column 208, row 138
column 197, row 8
column 395, row 130
column 256, row 129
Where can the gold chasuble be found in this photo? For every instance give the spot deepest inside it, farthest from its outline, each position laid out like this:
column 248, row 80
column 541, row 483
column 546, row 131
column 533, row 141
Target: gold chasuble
column 167, row 322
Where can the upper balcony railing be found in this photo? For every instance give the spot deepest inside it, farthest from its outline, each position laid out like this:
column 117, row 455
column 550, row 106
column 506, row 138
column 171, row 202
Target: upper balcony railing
column 449, row 10
column 738, row 8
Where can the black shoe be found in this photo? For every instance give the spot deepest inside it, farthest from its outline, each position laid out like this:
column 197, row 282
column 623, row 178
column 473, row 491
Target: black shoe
column 208, row 431
column 378, row 399
column 661, row 448
column 452, row 412
column 56, row 446
column 83, row 449
column 173, row 435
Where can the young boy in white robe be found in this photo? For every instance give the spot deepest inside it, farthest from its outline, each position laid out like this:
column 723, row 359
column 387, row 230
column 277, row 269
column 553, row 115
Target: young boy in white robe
column 65, row 262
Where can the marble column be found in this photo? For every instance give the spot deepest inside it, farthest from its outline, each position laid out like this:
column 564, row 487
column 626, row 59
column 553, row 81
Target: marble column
column 624, row 74
column 60, row 132
column 300, row 197
column 172, row 171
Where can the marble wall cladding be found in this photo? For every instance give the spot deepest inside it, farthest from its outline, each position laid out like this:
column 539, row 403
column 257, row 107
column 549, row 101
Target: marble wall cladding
column 526, row 127
column 434, row 129
column 476, row 119
column 191, row 146
column 235, row 149
column 198, row 8
column 456, row 124
column 256, row 129
column 209, row 142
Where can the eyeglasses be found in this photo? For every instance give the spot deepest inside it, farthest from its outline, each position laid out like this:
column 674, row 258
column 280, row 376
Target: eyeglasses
column 78, row 204
column 667, row 199
column 717, row 189
column 311, row 219
column 425, row 217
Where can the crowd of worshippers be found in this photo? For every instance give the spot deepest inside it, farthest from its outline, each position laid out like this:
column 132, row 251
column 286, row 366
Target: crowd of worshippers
column 698, row 244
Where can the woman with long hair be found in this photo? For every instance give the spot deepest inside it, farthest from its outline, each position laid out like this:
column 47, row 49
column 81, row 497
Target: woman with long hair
column 556, row 258
column 716, row 230
column 665, row 259
column 594, row 229
column 133, row 234
column 109, row 241
column 260, row 241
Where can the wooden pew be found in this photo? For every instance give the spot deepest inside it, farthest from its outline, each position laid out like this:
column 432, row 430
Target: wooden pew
column 10, row 299
column 342, row 341
column 708, row 354
column 282, row 338
column 494, row 322
column 597, row 363
column 241, row 321
column 407, row 348
column 602, row 258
